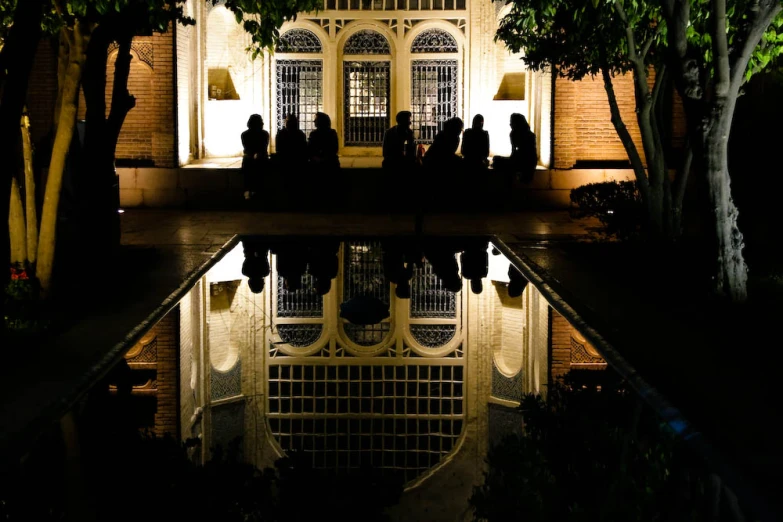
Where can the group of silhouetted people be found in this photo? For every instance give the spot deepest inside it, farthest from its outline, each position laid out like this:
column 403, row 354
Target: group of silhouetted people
column 402, row 155
column 400, row 150
column 294, row 150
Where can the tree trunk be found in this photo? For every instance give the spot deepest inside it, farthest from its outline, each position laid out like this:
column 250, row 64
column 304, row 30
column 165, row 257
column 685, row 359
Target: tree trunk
column 17, row 56
column 100, row 181
column 651, row 190
column 62, row 142
column 31, row 213
column 16, row 230
column 732, row 272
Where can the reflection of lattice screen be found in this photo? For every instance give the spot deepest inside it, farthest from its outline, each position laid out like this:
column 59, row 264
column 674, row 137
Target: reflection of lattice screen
column 348, row 416
column 580, row 356
column 228, row 423
column 363, row 271
column 393, row 409
column 304, row 302
column 428, row 297
column 507, row 388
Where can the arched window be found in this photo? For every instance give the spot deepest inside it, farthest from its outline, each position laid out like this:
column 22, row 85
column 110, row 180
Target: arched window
column 367, row 41
column 434, row 41
column 434, row 85
column 298, row 41
column 299, row 82
column 367, row 92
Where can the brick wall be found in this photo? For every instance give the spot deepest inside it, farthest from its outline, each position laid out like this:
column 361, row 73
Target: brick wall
column 148, row 134
column 583, row 128
column 167, row 414
column 560, row 345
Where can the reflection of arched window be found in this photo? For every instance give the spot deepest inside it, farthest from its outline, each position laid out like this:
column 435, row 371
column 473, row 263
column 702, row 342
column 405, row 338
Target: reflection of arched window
column 509, row 331
column 434, row 41
column 298, row 314
column 431, row 304
column 299, row 82
column 433, row 84
column 228, row 335
column 378, row 402
column 367, row 90
column 363, row 277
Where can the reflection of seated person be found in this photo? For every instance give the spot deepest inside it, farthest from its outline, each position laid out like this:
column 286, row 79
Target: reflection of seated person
column 291, row 145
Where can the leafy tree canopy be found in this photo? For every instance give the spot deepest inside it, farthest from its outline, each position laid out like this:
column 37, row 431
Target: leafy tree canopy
column 577, row 37
column 262, row 19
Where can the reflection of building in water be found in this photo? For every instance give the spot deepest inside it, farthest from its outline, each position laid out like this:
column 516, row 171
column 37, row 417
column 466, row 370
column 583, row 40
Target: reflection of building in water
column 420, row 393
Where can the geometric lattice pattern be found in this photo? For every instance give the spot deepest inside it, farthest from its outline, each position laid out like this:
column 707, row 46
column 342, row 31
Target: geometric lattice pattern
column 434, row 335
column 428, row 297
column 228, row 423
column 148, row 354
column 433, row 96
column 367, row 98
column 348, row 416
column 224, row 384
column 367, row 42
column 393, row 5
column 367, row 334
column 507, row 388
column 363, row 271
column 580, row 355
column 504, row 421
column 299, row 91
column 434, row 41
column 144, row 50
column 299, row 335
column 298, row 41
column 304, row 302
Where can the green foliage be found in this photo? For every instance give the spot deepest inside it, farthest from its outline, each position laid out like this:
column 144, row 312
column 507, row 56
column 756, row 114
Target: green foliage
column 577, row 38
column 262, row 19
column 616, row 204
column 586, row 454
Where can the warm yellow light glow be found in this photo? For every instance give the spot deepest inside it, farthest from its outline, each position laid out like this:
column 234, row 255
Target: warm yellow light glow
column 230, row 267
column 496, row 122
column 498, row 266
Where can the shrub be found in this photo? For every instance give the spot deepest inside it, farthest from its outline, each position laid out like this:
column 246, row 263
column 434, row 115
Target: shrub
column 588, row 452
column 616, row 204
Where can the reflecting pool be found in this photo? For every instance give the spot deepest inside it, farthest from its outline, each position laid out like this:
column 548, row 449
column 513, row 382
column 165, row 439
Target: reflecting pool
column 404, row 355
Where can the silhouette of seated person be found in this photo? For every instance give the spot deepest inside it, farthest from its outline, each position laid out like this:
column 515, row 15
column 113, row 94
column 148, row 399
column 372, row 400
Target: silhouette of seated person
column 475, row 145
column 322, row 145
column 291, row 145
column 524, row 156
column 443, row 167
column 442, row 154
column 255, row 156
column 399, row 145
